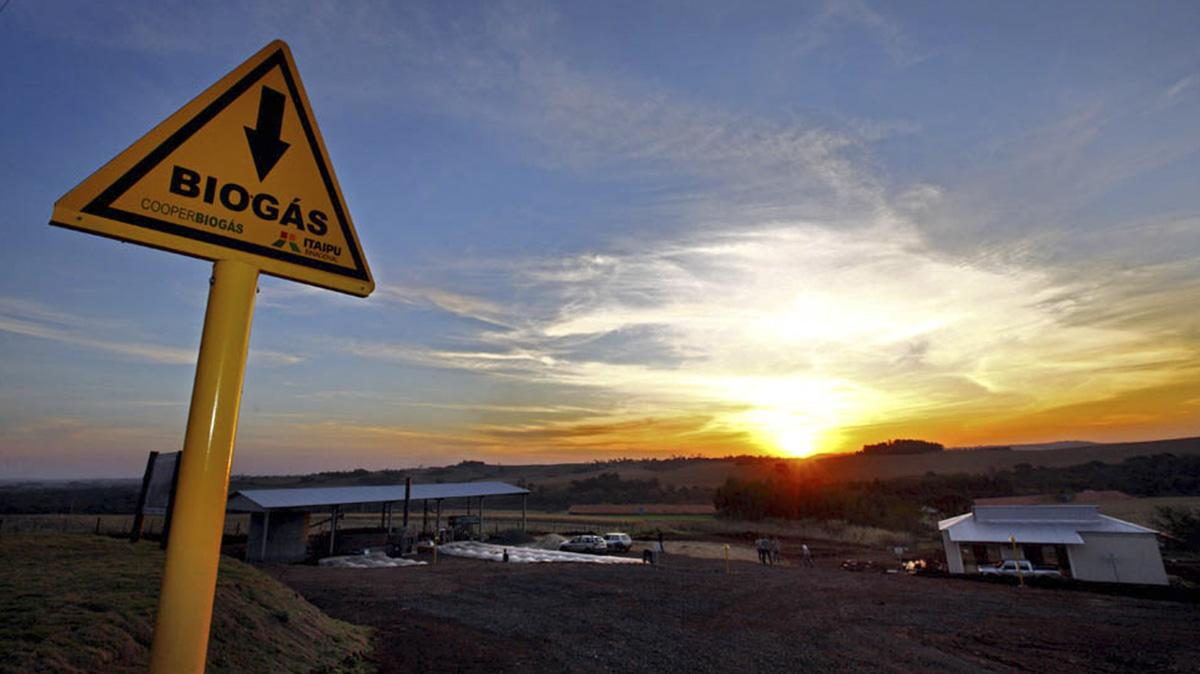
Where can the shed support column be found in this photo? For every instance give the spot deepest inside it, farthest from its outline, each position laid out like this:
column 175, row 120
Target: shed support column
column 438, row 525
column 333, row 518
column 425, row 515
column 407, row 500
column 524, row 515
column 389, row 521
column 262, row 555
column 482, row 536
column 139, row 516
column 954, row 560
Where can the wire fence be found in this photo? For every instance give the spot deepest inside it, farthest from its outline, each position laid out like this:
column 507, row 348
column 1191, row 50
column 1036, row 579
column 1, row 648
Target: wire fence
column 109, row 525
column 239, row 524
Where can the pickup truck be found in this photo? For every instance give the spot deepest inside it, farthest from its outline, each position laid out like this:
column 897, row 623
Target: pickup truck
column 1009, row 568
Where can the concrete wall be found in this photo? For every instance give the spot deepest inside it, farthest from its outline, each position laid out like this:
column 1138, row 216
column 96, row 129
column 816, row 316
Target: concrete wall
column 286, row 537
column 954, row 560
column 1118, row 558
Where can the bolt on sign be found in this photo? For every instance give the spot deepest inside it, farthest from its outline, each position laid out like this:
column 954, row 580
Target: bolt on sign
column 241, row 173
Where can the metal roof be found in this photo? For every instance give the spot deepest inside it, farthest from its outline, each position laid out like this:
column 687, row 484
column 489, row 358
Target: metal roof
column 258, row 500
column 1047, row 525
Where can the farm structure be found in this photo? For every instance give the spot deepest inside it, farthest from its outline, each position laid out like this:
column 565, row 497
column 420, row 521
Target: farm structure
column 279, row 518
column 1076, row 539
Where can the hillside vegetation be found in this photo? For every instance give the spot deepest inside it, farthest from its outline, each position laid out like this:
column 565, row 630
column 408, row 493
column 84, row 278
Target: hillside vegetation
column 903, row 503
column 83, row 603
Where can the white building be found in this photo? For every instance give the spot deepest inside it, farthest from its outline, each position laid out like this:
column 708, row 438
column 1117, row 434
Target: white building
column 1076, row 539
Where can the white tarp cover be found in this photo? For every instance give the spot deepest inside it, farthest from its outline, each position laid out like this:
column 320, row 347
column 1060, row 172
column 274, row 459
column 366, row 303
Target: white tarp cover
column 495, row 553
column 375, row 560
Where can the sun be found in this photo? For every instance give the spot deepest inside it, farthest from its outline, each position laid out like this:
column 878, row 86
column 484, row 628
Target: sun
column 783, row 432
column 789, row 416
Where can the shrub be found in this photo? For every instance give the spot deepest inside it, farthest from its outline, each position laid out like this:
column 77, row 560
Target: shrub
column 1182, row 523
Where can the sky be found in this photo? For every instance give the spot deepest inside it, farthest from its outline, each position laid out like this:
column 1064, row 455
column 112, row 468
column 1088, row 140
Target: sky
column 631, row 229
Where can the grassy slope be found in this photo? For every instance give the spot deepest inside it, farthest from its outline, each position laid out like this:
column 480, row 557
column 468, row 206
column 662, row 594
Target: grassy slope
column 1143, row 511
column 85, row 603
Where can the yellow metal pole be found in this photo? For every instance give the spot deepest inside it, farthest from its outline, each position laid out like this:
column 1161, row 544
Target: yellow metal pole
column 1017, row 557
column 190, row 574
column 726, row 559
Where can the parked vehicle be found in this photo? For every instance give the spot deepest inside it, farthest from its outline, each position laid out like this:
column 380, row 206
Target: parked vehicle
column 586, row 543
column 618, row 541
column 1009, row 568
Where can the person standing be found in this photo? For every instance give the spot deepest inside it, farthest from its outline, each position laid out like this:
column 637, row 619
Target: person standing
column 805, row 555
column 761, row 545
column 775, row 551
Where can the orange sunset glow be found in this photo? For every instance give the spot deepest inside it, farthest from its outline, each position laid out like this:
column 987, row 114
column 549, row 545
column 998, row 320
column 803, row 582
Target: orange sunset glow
column 846, row 233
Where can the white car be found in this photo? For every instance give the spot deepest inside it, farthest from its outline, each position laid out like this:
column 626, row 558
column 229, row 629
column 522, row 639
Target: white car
column 1009, row 568
column 586, row 543
column 618, row 542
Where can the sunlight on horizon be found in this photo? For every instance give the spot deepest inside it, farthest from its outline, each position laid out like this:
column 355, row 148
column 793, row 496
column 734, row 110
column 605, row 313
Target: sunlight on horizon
column 791, row 416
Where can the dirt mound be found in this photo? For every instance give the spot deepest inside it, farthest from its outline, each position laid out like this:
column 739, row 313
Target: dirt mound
column 549, row 542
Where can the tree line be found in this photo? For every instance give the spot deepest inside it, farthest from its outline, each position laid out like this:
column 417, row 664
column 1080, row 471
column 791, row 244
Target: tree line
column 903, row 503
column 902, row 446
column 610, row 488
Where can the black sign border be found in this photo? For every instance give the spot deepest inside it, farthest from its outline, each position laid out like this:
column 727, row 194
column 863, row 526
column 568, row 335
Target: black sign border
column 102, row 207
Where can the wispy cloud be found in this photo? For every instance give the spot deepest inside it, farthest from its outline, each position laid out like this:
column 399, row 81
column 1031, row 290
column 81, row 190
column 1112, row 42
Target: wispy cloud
column 30, row 319
column 507, row 69
column 455, row 303
column 798, row 329
column 149, row 352
column 1182, row 85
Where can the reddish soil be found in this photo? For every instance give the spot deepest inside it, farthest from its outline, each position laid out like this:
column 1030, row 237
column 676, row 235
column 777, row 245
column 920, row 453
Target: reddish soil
column 688, row 615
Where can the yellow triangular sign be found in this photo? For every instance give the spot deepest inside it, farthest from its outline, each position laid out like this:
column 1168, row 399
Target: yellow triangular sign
column 240, row 172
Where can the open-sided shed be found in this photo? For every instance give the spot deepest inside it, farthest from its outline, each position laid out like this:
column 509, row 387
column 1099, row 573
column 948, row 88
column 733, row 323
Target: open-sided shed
column 279, row 517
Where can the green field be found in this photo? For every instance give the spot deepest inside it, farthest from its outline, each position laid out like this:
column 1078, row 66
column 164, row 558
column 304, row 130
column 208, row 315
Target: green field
column 1143, row 510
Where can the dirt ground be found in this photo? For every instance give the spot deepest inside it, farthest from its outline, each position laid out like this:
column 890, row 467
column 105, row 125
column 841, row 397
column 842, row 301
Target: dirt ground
column 688, row 615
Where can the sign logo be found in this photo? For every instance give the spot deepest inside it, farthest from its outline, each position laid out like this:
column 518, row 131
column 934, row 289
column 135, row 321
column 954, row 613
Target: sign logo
column 288, row 239
column 240, row 172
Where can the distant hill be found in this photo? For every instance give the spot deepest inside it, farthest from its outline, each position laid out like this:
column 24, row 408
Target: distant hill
column 859, row 467
column 850, row 467
column 702, row 475
column 1037, row 446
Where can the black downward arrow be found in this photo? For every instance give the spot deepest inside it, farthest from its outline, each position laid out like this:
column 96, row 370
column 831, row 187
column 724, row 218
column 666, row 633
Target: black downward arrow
column 265, row 146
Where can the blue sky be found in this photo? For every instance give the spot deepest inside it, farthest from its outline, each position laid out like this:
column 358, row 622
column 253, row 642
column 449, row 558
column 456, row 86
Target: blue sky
column 632, row 229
